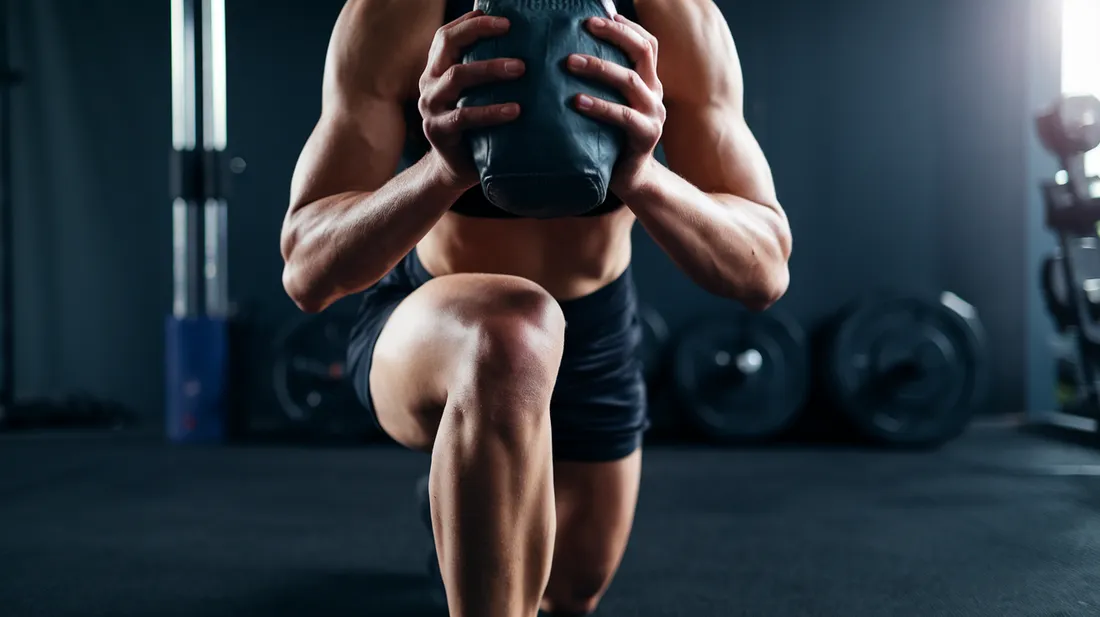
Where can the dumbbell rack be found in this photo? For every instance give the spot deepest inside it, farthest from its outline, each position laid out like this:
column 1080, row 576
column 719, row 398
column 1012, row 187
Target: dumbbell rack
column 1073, row 214
column 1070, row 129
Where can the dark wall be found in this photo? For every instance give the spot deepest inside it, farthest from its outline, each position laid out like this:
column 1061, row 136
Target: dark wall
column 897, row 132
column 92, row 241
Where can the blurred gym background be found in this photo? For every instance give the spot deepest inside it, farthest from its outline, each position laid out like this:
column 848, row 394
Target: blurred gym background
column 903, row 140
column 900, row 135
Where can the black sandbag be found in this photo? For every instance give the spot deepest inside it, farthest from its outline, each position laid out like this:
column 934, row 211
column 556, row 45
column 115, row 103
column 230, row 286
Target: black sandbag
column 552, row 161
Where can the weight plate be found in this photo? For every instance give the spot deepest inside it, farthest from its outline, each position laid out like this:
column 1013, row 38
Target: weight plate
column 653, row 353
column 742, row 377
column 654, row 343
column 665, row 420
column 907, row 371
column 310, row 378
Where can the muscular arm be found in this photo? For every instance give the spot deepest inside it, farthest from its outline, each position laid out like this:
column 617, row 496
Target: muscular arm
column 715, row 211
column 348, row 222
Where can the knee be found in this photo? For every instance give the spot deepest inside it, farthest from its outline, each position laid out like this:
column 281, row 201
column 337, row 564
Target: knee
column 515, row 332
column 518, row 324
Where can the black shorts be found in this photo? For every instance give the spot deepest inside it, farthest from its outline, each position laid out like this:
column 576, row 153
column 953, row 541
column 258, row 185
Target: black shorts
column 598, row 408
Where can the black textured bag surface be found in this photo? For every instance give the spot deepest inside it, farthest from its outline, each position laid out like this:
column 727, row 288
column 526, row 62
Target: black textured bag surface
column 552, row 161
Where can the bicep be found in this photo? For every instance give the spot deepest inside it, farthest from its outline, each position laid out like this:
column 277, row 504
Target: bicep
column 350, row 150
column 706, row 138
column 712, row 147
column 376, row 52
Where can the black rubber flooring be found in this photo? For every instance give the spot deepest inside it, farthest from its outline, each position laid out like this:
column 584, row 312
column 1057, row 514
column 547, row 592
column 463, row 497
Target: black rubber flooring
column 999, row 524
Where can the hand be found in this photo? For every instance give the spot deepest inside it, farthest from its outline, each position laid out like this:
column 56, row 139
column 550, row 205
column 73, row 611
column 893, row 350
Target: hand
column 441, row 85
column 643, row 119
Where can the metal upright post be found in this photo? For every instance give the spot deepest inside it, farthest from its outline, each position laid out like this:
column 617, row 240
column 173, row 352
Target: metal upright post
column 186, row 216
column 214, row 141
column 197, row 332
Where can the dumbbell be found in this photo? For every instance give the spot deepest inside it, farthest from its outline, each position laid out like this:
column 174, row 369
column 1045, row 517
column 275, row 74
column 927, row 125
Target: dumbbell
column 1068, row 130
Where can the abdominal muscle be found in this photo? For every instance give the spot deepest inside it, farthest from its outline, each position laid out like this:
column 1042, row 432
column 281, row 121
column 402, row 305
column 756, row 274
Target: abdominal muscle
column 570, row 258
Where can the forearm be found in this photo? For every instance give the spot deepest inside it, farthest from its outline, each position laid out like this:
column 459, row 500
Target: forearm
column 730, row 246
column 345, row 243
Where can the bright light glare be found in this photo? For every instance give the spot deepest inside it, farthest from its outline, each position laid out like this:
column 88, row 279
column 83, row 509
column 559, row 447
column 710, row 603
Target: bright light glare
column 183, row 78
column 215, row 99
column 1081, row 56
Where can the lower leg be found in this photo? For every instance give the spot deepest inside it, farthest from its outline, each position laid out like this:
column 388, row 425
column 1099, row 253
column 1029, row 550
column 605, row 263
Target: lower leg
column 493, row 515
column 595, row 505
column 492, row 490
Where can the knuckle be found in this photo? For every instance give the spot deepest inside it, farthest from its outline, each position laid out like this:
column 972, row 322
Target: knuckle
column 457, row 118
column 447, row 121
column 447, row 42
column 432, row 97
column 439, row 42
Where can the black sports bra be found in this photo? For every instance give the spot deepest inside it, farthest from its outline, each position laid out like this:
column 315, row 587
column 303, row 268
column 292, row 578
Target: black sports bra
column 472, row 202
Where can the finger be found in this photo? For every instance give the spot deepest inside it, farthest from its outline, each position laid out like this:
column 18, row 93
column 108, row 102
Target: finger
column 453, row 123
column 630, row 120
column 452, row 39
column 449, row 87
column 466, row 17
column 625, row 80
column 638, row 47
column 635, row 26
column 650, row 38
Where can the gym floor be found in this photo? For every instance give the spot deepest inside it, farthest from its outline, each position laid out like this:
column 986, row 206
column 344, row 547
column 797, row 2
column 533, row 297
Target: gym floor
column 1001, row 523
